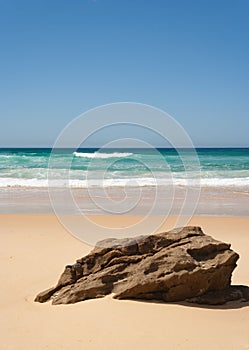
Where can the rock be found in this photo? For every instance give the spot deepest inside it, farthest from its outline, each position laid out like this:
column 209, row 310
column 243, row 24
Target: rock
column 172, row 266
column 219, row 297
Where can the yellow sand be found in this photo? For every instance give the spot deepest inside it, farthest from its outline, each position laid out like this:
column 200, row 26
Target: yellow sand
column 33, row 252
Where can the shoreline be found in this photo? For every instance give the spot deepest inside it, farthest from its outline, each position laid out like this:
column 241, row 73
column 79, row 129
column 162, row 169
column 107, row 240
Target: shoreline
column 212, row 202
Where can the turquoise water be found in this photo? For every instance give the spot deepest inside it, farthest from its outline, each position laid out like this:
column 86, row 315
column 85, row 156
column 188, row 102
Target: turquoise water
column 219, row 167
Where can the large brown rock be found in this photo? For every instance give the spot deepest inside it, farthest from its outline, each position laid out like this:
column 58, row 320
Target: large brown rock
column 170, row 266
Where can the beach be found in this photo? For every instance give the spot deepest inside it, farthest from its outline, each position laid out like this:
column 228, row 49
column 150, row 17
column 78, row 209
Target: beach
column 139, row 192
column 34, row 252
column 121, row 120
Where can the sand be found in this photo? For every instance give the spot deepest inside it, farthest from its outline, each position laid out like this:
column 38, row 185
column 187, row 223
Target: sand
column 33, row 252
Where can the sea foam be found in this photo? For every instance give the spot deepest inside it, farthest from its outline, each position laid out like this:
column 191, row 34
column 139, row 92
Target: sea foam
column 235, row 183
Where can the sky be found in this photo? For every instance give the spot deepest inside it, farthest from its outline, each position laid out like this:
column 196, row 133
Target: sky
column 59, row 58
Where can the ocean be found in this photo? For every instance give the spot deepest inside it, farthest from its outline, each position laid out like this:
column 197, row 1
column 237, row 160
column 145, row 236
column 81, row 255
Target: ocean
column 221, row 170
column 220, row 167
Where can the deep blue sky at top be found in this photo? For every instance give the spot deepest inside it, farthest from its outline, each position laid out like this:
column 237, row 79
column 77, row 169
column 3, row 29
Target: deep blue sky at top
column 188, row 57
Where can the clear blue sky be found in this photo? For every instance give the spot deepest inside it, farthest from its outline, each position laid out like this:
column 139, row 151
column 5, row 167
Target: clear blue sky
column 188, row 57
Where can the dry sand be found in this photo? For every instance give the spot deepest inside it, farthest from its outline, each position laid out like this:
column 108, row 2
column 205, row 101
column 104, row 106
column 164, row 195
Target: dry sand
column 33, row 252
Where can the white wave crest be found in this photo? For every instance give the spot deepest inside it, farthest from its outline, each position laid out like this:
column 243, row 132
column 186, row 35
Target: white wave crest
column 102, row 155
column 5, row 156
